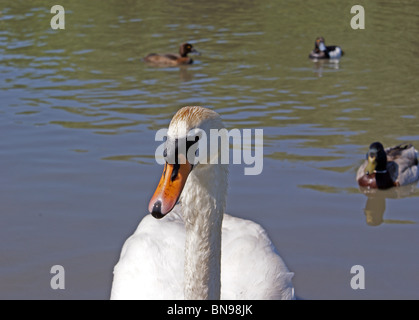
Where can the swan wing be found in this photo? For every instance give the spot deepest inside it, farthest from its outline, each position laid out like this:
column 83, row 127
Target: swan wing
column 152, row 261
column 250, row 265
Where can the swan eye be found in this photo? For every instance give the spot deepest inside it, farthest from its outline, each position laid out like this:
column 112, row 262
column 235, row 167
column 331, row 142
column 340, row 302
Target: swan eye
column 190, row 143
column 197, row 150
column 175, row 151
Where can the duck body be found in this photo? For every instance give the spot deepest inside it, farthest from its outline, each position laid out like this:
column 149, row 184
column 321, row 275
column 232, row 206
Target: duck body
column 321, row 51
column 171, row 59
column 390, row 167
column 187, row 247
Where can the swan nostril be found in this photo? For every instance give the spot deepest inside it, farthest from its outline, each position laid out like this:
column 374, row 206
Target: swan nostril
column 156, row 212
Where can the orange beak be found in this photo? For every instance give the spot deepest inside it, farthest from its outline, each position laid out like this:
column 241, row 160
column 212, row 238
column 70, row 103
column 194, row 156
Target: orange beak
column 169, row 189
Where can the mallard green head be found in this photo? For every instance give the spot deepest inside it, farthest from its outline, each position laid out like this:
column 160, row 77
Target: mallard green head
column 377, row 159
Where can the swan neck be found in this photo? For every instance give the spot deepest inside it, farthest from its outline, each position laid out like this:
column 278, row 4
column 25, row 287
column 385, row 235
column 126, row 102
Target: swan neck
column 203, row 262
column 203, row 210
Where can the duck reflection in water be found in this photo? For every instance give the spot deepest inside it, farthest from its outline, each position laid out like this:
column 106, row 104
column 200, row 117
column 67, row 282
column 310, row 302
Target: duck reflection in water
column 375, row 206
column 325, row 65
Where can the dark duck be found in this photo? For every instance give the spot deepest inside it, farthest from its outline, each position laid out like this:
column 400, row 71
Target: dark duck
column 172, row 59
column 321, row 51
column 390, row 167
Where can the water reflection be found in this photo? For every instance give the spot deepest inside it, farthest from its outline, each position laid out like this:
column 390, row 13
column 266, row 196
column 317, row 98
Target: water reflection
column 184, row 74
column 375, row 206
column 320, row 65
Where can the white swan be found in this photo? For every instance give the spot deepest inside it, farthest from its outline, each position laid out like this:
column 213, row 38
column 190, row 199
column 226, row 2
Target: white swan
column 197, row 251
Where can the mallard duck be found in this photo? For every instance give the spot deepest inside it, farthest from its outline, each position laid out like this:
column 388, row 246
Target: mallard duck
column 391, row 167
column 321, row 51
column 172, row 59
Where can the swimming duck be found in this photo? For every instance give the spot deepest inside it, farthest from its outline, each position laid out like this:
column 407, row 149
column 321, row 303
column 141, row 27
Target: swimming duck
column 172, row 59
column 386, row 168
column 321, row 51
column 188, row 247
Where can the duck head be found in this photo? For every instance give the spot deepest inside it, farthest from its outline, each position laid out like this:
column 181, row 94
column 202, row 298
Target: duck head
column 319, row 44
column 377, row 159
column 186, row 48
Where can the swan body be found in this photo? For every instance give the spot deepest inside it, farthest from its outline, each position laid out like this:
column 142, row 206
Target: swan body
column 390, row 167
column 247, row 254
column 193, row 250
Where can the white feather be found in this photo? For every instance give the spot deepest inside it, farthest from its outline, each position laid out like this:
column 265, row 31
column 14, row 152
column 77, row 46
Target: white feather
column 335, row 54
column 152, row 262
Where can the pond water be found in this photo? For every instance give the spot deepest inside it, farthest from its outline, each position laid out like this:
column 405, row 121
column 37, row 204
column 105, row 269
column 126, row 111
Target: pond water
column 79, row 111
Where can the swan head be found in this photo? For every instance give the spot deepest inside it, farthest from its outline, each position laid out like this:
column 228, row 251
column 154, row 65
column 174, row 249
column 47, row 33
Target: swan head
column 189, row 127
